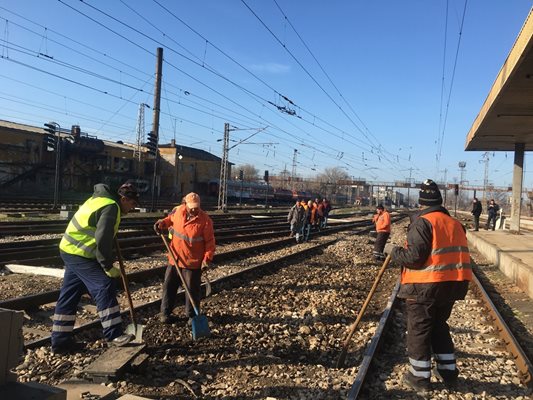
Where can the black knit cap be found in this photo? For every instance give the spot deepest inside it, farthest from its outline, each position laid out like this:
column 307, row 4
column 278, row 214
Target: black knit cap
column 429, row 194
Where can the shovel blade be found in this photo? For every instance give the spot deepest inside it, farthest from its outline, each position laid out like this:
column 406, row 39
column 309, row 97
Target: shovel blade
column 200, row 327
column 137, row 331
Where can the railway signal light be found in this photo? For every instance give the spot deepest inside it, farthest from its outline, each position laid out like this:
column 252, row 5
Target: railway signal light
column 456, row 189
column 50, row 139
column 152, row 143
column 241, row 175
column 266, row 176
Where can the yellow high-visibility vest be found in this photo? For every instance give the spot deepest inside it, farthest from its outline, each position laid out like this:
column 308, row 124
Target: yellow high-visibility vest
column 79, row 238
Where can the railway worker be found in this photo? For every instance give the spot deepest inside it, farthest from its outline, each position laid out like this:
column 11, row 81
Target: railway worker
column 382, row 221
column 87, row 250
column 327, row 210
column 193, row 243
column 436, row 270
column 306, row 226
column 296, row 218
column 477, row 209
column 492, row 211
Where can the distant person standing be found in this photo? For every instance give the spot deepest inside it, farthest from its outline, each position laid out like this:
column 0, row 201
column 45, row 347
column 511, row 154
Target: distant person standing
column 477, row 209
column 382, row 221
column 492, row 211
column 327, row 209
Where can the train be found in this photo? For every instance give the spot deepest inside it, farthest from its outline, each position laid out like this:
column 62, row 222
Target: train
column 259, row 192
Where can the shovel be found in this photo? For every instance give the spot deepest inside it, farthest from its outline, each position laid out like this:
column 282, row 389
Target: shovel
column 133, row 328
column 199, row 324
column 342, row 357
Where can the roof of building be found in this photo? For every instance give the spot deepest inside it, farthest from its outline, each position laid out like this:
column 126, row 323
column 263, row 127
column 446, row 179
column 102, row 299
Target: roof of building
column 506, row 117
column 191, row 152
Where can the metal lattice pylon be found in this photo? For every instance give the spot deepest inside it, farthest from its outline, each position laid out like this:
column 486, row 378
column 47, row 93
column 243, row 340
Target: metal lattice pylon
column 137, row 152
column 223, row 183
column 293, row 172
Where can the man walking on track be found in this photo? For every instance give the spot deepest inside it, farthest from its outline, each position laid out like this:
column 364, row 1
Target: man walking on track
column 436, row 270
column 87, row 250
column 193, row 243
column 382, row 221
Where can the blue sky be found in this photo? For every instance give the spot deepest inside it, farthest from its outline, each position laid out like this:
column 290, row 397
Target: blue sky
column 373, row 96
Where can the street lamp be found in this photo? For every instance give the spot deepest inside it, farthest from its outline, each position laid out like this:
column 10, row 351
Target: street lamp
column 53, row 129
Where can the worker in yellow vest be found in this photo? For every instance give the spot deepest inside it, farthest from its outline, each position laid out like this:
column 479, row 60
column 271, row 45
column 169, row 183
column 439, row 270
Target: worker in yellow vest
column 436, row 271
column 87, row 251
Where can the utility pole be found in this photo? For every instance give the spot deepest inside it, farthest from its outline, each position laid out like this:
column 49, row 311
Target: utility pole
column 486, row 156
column 223, row 182
column 223, row 186
column 445, row 185
column 293, row 172
column 140, row 129
column 409, row 188
column 155, row 120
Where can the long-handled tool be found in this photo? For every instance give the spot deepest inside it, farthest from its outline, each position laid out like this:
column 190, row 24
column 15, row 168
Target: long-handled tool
column 199, row 323
column 207, row 284
column 342, row 357
column 133, row 328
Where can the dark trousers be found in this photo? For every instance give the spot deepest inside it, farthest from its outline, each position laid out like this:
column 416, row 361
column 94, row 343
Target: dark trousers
column 193, row 280
column 492, row 217
column 84, row 275
column 427, row 332
column 476, row 222
column 379, row 244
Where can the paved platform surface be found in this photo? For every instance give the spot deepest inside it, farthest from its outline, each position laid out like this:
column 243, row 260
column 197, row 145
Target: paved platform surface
column 511, row 252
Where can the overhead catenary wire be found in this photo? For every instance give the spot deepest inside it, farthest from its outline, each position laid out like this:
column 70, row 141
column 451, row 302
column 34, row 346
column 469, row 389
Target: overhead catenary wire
column 220, row 116
column 441, row 141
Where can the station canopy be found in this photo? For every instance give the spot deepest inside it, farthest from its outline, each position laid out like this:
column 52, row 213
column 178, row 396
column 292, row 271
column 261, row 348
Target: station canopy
column 506, row 117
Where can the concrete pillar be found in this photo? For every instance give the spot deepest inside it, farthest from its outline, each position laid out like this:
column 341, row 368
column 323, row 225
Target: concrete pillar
column 518, row 176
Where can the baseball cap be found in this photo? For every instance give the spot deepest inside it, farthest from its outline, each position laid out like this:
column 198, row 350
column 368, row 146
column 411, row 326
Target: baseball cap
column 192, row 200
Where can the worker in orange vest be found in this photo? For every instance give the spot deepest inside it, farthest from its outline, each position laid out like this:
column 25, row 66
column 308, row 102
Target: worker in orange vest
column 436, row 270
column 382, row 221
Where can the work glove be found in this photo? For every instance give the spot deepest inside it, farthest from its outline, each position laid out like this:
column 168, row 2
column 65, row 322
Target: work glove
column 206, row 265
column 157, row 227
column 112, row 272
column 388, row 248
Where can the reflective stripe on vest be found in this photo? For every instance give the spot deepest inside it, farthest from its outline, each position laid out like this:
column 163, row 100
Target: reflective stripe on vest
column 79, row 238
column 173, row 232
column 449, row 259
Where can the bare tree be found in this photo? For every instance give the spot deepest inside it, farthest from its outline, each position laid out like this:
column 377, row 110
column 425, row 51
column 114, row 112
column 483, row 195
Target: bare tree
column 328, row 181
column 250, row 173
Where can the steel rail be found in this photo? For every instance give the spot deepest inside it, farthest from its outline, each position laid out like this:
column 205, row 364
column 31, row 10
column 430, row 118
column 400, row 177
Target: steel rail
column 372, row 348
column 524, row 365
column 216, row 285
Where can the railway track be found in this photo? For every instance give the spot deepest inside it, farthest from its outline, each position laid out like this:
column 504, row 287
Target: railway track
column 277, row 330
column 278, row 326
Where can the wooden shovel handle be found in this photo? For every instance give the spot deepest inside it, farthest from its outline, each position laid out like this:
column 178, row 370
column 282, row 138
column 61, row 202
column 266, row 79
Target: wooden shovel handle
column 342, row 356
column 173, row 256
column 125, row 280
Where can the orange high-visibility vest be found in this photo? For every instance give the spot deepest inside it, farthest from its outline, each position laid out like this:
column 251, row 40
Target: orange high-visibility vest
column 449, row 259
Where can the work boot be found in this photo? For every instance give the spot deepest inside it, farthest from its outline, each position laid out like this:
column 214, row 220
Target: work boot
column 122, row 340
column 449, row 378
column 167, row 318
column 421, row 386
